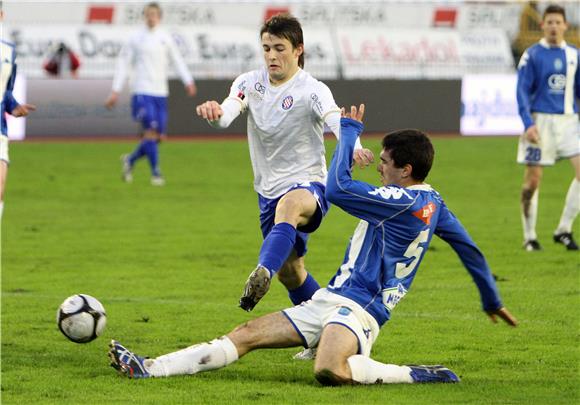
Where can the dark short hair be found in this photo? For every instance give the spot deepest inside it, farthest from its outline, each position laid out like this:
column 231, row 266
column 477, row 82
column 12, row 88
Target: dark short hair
column 155, row 5
column 554, row 9
column 288, row 27
column 413, row 147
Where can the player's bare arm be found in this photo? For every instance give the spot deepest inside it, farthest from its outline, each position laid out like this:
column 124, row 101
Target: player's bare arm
column 23, row 110
column 210, row 110
column 362, row 157
column 191, row 90
column 532, row 134
column 111, row 100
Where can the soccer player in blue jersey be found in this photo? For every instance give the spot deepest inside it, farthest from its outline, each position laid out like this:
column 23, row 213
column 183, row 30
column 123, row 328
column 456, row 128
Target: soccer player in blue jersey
column 398, row 220
column 147, row 52
column 287, row 110
column 548, row 83
column 8, row 104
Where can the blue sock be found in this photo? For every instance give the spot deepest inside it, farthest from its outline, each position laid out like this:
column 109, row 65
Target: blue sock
column 305, row 291
column 137, row 154
column 152, row 151
column 277, row 246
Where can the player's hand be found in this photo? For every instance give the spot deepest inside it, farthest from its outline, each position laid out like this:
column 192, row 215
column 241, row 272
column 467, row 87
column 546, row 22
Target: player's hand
column 210, row 110
column 191, row 90
column 111, row 100
column 354, row 114
column 363, row 157
column 22, row 110
column 532, row 135
column 504, row 314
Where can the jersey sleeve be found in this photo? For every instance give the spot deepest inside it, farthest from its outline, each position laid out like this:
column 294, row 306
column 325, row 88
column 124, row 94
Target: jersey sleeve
column 525, row 87
column 125, row 59
column 9, row 101
column 178, row 61
column 234, row 104
column 452, row 231
column 322, row 102
column 365, row 201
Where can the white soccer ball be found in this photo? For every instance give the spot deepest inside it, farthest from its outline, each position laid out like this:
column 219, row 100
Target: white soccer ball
column 81, row 318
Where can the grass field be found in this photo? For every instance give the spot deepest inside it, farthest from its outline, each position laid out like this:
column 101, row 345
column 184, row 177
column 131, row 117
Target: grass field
column 169, row 265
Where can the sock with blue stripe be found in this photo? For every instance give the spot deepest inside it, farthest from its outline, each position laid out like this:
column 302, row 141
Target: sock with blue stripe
column 305, row 291
column 277, row 247
column 151, row 149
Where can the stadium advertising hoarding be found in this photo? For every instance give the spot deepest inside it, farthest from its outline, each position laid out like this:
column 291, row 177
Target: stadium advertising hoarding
column 489, row 106
column 356, row 52
column 210, row 53
column 385, row 53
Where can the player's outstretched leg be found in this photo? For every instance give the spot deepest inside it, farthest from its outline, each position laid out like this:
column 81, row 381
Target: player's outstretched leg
column 256, row 287
column 126, row 362
column 563, row 233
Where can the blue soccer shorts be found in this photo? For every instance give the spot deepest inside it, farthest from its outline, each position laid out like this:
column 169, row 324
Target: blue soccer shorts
column 268, row 213
column 150, row 111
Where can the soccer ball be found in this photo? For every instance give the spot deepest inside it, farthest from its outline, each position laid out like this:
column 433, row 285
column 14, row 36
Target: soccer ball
column 81, row 318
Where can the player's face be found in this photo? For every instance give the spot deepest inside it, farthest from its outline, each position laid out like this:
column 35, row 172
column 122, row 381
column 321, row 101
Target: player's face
column 389, row 173
column 554, row 28
column 281, row 57
column 152, row 17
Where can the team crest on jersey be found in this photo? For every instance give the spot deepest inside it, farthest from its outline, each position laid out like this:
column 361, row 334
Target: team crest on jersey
column 558, row 64
column 425, row 213
column 287, row 102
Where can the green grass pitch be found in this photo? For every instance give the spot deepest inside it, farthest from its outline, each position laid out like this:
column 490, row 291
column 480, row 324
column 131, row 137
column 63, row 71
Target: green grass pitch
column 169, row 264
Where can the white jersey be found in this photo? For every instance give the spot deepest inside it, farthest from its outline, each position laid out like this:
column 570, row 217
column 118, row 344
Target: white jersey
column 285, row 129
column 147, row 53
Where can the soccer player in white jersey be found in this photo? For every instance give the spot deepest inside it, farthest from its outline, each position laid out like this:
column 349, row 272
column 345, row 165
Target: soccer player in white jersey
column 548, row 83
column 147, row 53
column 287, row 109
column 8, row 104
column 398, row 220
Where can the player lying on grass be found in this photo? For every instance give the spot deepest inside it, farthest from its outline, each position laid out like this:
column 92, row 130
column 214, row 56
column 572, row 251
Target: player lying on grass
column 397, row 223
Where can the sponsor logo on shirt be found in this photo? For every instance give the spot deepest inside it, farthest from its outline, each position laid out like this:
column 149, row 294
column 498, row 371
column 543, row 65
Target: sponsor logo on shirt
column 260, row 88
column 392, row 296
column 390, row 192
column 287, row 102
column 425, row 213
column 317, row 103
column 557, row 82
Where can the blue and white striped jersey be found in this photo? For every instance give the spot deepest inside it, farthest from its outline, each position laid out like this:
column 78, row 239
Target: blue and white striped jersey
column 548, row 80
column 396, row 227
column 7, row 78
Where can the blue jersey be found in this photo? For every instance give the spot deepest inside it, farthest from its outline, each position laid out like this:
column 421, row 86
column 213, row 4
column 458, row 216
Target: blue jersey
column 548, row 81
column 7, row 77
column 396, row 227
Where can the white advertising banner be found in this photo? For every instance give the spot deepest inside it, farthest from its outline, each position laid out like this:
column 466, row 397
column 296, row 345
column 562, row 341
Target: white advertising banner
column 404, row 53
column 489, row 106
column 210, row 53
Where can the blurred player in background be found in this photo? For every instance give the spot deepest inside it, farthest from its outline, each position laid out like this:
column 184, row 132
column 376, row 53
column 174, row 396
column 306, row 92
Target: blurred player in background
column 397, row 223
column 147, row 52
column 548, row 82
column 287, row 110
column 9, row 104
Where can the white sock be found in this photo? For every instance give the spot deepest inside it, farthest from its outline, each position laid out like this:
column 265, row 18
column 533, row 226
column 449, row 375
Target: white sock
column 202, row 357
column 365, row 370
column 529, row 221
column 571, row 208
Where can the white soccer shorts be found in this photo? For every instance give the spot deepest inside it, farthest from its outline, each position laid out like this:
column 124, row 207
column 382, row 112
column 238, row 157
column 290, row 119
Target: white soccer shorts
column 559, row 139
column 325, row 307
column 4, row 148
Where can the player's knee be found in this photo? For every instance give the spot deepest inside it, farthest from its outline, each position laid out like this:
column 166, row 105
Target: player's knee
column 288, row 209
column 246, row 334
column 331, row 377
